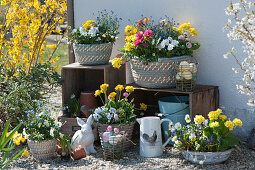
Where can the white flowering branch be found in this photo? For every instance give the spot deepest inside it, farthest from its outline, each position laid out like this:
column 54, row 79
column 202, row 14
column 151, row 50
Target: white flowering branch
column 241, row 26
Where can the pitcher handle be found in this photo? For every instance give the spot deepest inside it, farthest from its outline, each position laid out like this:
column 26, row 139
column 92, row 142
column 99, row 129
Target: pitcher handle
column 168, row 140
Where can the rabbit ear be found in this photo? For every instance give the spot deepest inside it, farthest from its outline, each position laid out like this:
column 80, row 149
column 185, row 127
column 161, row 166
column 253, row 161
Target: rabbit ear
column 80, row 121
column 90, row 120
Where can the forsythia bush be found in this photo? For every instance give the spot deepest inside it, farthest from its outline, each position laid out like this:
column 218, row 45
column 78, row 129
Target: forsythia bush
column 27, row 23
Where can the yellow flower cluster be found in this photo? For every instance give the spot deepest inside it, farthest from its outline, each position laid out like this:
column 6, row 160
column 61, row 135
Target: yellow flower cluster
column 229, row 125
column 129, row 89
column 223, row 117
column 28, row 22
column 214, row 115
column 214, row 124
column 51, row 46
column 112, row 95
column 17, row 138
column 117, row 62
column 119, row 87
column 130, row 30
column 237, row 122
column 187, row 28
column 143, row 106
column 88, row 24
column 199, row 119
column 98, row 92
column 104, row 87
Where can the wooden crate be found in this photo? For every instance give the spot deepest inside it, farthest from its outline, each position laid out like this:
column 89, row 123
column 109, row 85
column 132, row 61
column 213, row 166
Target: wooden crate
column 202, row 100
column 78, row 78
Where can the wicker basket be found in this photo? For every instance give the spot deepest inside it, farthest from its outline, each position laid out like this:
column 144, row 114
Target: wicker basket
column 92, row 54
column 159, row 74
column 42, row 150
column 112, row 152
column 186, row 77
column 127, row 128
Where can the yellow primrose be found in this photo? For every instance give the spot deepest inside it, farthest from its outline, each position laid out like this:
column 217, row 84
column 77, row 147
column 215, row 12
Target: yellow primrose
column 119, row 87
column 112, row 95
column 214, row 124
column 213, row 115
column 104, row 87
column 98, row 92
column 116, row 63
column 143, row 106
column 129, row 89
column 193, row 32
column 26, row 153
column 237, row 122
column 199, row 119
column 229, row 125
column 223, row 117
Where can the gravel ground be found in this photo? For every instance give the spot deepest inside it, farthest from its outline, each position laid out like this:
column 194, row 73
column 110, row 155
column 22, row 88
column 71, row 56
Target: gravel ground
column 171, row 159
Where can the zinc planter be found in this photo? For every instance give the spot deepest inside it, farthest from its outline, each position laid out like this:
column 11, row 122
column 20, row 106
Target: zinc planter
column 160, row 74
column 43, row 149
column 92, row 54
column 206, row 157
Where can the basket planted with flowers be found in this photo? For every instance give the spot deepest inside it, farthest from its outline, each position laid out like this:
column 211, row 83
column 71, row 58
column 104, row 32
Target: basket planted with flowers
column 154, row 49
column 205, row 141
column 93, row 41
column 117, row 111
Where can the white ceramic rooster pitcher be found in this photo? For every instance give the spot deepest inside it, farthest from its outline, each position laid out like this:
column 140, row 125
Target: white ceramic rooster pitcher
column 150, row 136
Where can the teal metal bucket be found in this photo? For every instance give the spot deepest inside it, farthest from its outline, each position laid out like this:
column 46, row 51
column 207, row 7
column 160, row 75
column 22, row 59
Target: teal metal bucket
column 174, row 108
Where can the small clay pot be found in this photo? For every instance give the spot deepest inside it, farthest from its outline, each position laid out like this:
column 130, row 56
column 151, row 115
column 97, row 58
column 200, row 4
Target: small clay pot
column 88, row 99
column 59, row 149
column 78, row 153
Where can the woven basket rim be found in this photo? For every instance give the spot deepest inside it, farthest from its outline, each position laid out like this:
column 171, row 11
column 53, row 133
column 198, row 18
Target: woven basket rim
column 92, row 44
column 131, row 123
column 162, row 58
column 44, row 141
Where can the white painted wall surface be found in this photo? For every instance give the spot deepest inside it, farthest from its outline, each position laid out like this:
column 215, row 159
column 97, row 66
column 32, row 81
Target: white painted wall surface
column 208, row 18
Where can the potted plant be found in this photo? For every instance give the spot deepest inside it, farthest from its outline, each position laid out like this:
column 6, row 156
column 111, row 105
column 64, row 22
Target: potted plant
column 117, row 111
column 154, row 49
column 206, row 141
column 72, row 110
column 93, row 41
column 42, row 132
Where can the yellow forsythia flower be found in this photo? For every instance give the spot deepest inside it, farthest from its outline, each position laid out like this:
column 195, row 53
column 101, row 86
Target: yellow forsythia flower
column 143, row 106
column 129, row 89
column 104, row 87
column 119, row 87
column 223, row 117
column 199, row 119
column 88, row 24
column 214, row 124
column 237, row 122
column 229, row 125
column 51, row 46
column 98, row 92
column 130, row 30
column 112, row 95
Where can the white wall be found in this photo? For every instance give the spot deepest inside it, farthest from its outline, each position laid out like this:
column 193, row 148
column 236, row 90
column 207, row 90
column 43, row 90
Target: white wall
column 208, row 18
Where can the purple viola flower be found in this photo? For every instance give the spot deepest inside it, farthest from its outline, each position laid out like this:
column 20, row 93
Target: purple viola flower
column 208, row 141
column 125, row 94
column 116, row 117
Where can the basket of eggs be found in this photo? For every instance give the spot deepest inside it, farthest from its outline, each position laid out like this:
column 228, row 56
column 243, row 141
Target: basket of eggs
column 186, row 76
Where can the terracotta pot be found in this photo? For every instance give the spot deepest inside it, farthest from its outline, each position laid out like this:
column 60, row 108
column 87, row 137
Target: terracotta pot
column 59, row 149
column 78, row 153
column 88, row 99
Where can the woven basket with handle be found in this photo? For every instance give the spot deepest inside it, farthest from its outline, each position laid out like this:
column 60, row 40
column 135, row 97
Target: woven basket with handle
column 92, row 54
column 128, row 128
column 159, row 74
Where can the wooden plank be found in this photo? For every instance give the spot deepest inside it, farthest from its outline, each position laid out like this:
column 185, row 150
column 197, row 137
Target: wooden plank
column 204, row 102
column 79, row 66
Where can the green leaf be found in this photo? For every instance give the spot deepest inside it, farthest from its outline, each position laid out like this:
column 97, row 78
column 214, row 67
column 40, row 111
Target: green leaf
column 4, row 132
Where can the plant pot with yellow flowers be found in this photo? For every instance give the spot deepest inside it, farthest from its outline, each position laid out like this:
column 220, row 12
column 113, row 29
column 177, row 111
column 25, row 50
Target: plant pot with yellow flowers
column 42, row 132
column 206, row 141
column 154, row 49
column 93, row 41
column 117, row 111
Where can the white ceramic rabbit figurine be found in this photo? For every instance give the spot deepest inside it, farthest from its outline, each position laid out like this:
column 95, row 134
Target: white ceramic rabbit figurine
column 85, row 136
